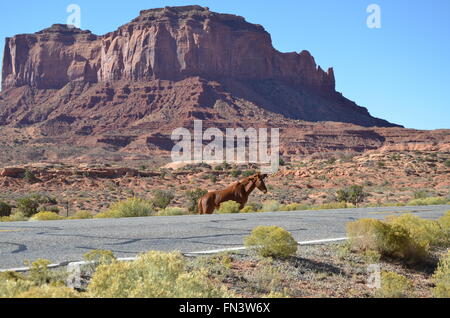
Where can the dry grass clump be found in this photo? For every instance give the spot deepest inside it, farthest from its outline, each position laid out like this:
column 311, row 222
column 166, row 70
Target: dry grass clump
column 46, row 216
column 425, row 232
column 153, row 275
column 169, row 211
column 441, row 278
column 388, row 239
column 81, row 215
column 132, row 207
column 429, row 201
column 394, row 285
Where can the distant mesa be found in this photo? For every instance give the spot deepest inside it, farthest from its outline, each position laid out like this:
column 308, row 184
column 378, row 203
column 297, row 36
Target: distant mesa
column 168, row 67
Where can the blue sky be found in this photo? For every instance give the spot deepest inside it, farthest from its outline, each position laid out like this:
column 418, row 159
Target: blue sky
column 400, row 72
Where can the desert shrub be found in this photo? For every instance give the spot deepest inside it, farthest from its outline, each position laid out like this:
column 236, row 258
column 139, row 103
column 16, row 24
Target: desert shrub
column 248, row 173
column 172, row 212
column 271, row 241
column 48, row 291
column 441, row 278
column 161, row 199
column 447, row 163
column 153, row 275
column 429, row 201
column 293, row 207
column 132, row 207
column 421, row 194
column 425, row 232
column 39, row 272
column 5, row 209
column 46, row 216
column 390, row 240
column 30, row 177
column 266, row 278
column 80, row 215
column 99, row 257
column 218, row 266
column 52, row 208
column 11, row 288
column 15, row 217
column 444, row 222
column 354, row 194
column 193, row 197
column 270, row 206
column 256, row 206
column 394, row 285
column 229, row 207
column 28, row 206
column 248, row 209
column 332, row 205
column 235, row 173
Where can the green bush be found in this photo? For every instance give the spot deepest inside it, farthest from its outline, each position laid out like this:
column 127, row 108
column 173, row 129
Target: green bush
column 153, row 275
column 394, row 285
column 193, row 197
column 229, row 207
column 132, row 207
column 235, row 173
column 39, row 282
column 46, row 216
column 15, row 217
column 30, row 177
column 161, row 199
column 172, row 212
column 28, row 206
column 5, row 209
column 248, row 173
column 429, row 201
column 293, row 207
column 271, row 206
column 447, row 163
column 10, row 288
column 441, row 278
column 248, row 209
column 391, row 240
column 81, row 215
column 425, row 232
column 99, row 256
column 48, row 291
column 444, row 222
column 354, row 194
column 271, row 241
column 332, row 206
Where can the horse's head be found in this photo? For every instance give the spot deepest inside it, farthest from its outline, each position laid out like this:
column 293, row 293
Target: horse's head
column 259, row 182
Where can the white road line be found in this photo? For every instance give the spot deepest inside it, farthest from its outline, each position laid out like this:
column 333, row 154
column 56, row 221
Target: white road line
column 208, row 252
column 235, row 249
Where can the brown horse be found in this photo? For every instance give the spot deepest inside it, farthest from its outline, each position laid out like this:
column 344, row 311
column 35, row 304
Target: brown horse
column 238, row 192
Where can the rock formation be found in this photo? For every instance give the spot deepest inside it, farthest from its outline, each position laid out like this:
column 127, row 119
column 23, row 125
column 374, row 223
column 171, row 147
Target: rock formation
column 129, row 88
column 175, row 49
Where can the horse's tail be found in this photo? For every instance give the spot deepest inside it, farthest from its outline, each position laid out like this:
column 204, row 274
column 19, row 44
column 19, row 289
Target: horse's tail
column 200, row 206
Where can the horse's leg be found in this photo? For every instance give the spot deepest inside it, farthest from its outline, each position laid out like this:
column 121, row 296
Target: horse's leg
column 200, row 206
column 210, row 208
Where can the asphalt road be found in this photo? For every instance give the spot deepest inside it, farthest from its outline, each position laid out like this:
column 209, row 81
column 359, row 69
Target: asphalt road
column 61, row 241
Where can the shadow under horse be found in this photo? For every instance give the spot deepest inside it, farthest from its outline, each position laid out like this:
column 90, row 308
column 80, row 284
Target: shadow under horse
column 238, row 192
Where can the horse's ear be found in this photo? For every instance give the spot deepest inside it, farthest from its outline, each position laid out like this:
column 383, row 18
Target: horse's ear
column 263, row 176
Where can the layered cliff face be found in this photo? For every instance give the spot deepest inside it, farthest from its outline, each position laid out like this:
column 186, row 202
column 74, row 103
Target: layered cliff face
column 168, row 44
column 166, row 68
